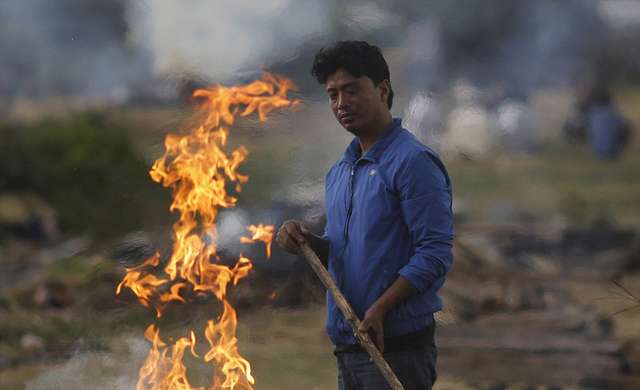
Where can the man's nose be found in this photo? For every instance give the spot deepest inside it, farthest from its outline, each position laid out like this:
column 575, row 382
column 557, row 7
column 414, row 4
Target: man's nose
column 343, row 102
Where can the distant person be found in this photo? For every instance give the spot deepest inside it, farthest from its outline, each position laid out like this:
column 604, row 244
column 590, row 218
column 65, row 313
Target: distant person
column 515, row 122
column 425, row 117
column 598, row 123
column 389, row 233
column 469, row 134
column 607, row 130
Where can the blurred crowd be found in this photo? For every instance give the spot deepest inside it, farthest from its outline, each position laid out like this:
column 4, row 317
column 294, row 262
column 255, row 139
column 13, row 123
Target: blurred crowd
column 470, row 123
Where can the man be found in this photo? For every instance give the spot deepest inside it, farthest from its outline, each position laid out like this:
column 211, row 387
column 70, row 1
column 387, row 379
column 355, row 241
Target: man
column 389, row 232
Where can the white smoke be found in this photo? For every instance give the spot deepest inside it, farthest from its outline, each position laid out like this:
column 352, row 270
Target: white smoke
column 216, row 38
column 69, row 48
column 113, row 49
column 620, row 14
column 96, row 370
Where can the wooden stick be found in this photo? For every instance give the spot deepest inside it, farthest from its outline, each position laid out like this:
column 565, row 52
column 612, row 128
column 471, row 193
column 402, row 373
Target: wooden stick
column 351, row 316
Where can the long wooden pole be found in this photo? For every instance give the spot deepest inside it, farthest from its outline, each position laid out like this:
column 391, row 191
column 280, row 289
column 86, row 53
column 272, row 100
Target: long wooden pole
column 351, row 316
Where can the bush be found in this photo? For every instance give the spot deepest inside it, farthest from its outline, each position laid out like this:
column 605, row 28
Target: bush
column 87, row 168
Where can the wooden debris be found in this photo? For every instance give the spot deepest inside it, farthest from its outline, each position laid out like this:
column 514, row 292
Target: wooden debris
column 514, row 320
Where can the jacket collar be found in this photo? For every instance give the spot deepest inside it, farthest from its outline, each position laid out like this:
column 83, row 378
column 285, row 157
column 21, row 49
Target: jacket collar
column 378, row 147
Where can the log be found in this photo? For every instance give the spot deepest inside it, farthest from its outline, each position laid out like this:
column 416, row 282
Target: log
column 351, row 316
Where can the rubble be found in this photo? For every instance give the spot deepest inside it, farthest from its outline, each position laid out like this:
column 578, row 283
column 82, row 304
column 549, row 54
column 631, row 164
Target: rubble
column 512, row 316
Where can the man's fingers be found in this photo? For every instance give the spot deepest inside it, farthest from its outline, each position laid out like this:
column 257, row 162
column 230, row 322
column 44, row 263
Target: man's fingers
column 290, row 235
column 377, row 336
column 296, row 230
column 374, row 336
column 380, row 341
column 362, row 329
column 285, row 242
column 364, row 325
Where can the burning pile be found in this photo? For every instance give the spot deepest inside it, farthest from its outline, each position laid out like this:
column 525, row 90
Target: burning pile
column 198, row 170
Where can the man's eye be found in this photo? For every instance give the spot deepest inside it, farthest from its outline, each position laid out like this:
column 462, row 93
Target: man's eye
column 333, row 96
column 352, row 91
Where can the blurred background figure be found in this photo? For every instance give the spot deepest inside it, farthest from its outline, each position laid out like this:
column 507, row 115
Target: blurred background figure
column 426, row 112
column 598, row 123
column 515, row 123
column 468, row 127
column 425, row 116
column 607, row 130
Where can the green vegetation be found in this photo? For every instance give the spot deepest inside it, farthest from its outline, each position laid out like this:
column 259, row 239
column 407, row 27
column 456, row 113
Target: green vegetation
column 86, row 168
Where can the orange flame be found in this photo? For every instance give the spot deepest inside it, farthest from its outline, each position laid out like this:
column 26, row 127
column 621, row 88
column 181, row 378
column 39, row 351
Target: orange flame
column 260, row 233
column 198, row 170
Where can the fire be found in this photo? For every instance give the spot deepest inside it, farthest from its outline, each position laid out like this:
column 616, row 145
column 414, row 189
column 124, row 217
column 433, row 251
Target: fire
column 199, row 171
column 260, row 233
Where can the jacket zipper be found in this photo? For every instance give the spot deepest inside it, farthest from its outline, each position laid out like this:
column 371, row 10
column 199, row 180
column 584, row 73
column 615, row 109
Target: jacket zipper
column 350, row 209
column 345, row 231
column 342, row 320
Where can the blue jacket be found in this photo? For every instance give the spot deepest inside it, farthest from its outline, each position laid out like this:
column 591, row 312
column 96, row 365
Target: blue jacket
column 388, row 214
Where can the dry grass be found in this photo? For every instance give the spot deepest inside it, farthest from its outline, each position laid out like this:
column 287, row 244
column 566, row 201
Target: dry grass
column 612, row 301
column 289, row 348
column 563, row 182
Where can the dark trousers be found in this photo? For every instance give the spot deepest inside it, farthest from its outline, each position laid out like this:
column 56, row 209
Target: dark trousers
column 416, row 370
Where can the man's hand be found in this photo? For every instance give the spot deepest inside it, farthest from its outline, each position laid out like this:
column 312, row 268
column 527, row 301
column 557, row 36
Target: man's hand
column 374, row 317
column 373, row 324
column 290, row 235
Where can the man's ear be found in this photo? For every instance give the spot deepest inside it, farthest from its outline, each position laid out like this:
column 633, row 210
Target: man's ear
column 385, row 88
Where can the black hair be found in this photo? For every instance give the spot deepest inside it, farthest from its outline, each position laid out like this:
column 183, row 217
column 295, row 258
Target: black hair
column 357, row 57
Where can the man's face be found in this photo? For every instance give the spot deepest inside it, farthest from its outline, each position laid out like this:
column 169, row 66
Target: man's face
column 357, row 104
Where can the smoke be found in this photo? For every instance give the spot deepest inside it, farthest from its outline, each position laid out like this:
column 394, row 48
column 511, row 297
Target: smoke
column 71, row 47
column 532, row 44
column 620, row 14
column 113, row 49
column 220, row 39
column 96, row 370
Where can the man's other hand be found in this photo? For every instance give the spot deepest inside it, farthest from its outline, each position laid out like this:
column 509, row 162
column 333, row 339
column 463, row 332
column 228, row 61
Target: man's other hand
column 374, row 317
column 373, row 324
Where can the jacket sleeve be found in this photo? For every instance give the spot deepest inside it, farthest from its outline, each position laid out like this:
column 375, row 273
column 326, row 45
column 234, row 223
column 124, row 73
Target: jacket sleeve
column 425, row 195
